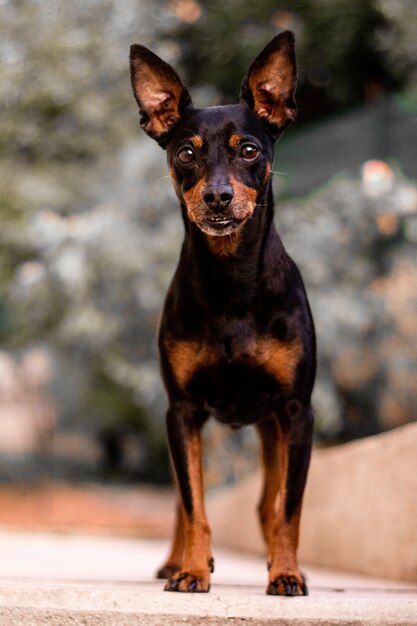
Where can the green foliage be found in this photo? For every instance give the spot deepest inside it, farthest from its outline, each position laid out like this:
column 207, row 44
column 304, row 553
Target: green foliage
column 65, row 91
column 340, row 62
column 89, row 231
column 113, row 408
column 218, row 49
column 110, row 403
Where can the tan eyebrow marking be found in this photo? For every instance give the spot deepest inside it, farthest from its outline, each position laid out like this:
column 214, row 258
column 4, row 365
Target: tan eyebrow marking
column 197, row 141
column 234, row 141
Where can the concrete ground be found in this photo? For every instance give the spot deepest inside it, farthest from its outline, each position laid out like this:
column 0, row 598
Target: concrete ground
column 90, row 581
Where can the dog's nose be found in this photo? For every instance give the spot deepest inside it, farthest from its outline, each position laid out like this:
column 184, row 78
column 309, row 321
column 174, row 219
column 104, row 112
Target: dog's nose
column 218, row 196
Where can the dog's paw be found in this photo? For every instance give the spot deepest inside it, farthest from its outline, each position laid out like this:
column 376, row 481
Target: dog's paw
column 188, row 582
column 287, row 586
column 168, row 570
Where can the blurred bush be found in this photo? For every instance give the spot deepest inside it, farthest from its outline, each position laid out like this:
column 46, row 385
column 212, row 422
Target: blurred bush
column 348, row 50
column 90, row 228
column 355, row 241
column 67, row 260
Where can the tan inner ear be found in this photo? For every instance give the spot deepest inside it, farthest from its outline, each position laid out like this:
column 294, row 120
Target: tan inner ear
column 163, row 117
column 271, row 88
column 152, row 96
column 158, row 100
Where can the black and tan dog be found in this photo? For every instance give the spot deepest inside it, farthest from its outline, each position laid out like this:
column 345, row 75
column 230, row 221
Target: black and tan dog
column 236, row 338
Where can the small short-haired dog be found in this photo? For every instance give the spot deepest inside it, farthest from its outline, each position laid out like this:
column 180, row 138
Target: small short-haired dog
column 236, row 339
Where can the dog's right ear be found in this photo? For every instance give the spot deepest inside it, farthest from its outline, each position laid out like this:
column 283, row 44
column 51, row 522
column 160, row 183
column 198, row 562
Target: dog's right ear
column 159, row 92
column 269, row 85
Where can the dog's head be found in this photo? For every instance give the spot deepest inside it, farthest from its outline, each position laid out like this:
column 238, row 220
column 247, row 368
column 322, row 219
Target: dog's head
column 220, row 158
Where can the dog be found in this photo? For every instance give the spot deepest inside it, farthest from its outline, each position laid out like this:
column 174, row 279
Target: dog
column 236, row 338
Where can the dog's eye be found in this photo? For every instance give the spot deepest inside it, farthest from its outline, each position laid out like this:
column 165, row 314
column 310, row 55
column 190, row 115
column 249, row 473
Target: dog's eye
column 186, row 155
column 249, row 152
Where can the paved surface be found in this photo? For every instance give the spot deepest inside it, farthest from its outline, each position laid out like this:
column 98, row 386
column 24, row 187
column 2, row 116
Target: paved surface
column 91, row 581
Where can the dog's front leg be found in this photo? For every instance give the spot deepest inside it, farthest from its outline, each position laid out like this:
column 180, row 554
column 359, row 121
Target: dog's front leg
column 269, row 433
column 184, row 436
column 294, row 447
column 176, row 556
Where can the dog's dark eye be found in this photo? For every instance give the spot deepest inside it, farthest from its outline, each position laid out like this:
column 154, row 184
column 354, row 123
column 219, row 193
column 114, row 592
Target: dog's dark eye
column 186, row 155
column 249, row 152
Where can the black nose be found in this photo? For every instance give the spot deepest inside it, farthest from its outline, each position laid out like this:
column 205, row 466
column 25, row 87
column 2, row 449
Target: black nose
column 218, row 196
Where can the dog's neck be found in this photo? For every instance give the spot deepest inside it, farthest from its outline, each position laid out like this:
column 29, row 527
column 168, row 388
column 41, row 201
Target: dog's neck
column 231, row 280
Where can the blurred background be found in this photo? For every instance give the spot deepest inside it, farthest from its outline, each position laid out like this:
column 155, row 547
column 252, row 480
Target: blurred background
column 90, row 232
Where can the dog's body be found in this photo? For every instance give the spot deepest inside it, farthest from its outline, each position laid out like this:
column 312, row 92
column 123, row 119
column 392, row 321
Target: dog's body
column 236, row 338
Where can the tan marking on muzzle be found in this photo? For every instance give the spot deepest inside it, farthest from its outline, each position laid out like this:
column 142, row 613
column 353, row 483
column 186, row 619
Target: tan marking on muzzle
column 242, row 207
column 244, row 199
column 194, row 200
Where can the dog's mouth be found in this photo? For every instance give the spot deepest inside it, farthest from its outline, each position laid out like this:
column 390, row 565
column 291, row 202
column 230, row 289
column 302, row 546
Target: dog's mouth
column 219, row 226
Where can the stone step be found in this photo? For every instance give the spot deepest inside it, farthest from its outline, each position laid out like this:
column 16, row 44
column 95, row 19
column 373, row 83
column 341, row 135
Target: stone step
column 106, row 604
column 60, row 580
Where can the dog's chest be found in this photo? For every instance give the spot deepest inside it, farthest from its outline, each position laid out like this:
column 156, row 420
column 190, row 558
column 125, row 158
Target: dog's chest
column 231, row 356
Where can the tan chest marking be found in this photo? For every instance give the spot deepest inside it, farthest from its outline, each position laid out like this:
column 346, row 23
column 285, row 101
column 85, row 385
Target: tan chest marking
column 278, row 359
column 186, row 357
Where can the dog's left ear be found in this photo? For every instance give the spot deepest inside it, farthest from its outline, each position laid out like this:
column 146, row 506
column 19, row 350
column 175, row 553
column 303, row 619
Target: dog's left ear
column 159, row 92
column 269, row 84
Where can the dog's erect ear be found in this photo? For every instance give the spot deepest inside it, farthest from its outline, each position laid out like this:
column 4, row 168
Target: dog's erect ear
column 158, row 90
column 269, row 84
